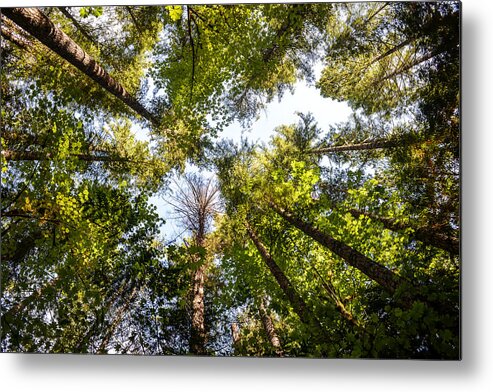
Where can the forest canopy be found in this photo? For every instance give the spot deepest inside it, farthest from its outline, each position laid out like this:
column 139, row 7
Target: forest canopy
column 337, row 241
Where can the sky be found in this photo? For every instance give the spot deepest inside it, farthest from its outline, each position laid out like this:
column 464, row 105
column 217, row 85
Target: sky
column 306, row 98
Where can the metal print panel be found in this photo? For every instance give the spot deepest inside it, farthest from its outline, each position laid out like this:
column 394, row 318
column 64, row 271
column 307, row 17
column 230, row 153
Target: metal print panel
column 270, row 180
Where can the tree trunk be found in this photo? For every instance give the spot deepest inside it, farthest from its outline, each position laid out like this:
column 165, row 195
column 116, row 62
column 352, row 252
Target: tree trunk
column 40, row 26
column 341, row 308
column 406, row 67
column 392, row 50
column 12, row 155
column 198, row 337
column 76, row 23
column 116, row 321
column 294, row 298
column 427, row 235
column 269, row 329
column 8, row 32
column 377, row 272
column 235, row 333
column 401, row 141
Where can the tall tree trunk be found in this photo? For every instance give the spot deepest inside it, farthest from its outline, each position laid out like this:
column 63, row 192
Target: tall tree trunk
column 401, row 141
column 406, row 67
column 40, row 26
column 341, row 308
column 235, row 334
column 10, row 32
column 377, row 272
column 76, row 23
column 299, row 306
column 13, row 155
column 269, row 329
column 392, row 50
column 198, row 337
column 427, row 235
column 116, row 321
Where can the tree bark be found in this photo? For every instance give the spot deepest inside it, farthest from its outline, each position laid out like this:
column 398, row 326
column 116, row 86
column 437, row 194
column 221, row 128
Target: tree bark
column 76, row 23
column 372, row 145
column 269, row 329
column 116, row 321
column 377, row 272
column 341, row 308
column 235, row 333
column 392, row 50
column 198, row 337
column 40, row 26
column 13, row 155
column 299, row 306
column 427, row 235
column 394, row 142
column 406, row 67
column 13, row 36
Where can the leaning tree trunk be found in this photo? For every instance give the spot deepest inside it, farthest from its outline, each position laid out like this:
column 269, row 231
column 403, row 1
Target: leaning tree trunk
column 394, row 142
column 299, row 306
column 76, row 23
column 117, row 319
column 377, row 272
column 427, row 235
column 41, row 27
column 16, row 155
column 269, row 329
column 339, row 305
column 10, row 31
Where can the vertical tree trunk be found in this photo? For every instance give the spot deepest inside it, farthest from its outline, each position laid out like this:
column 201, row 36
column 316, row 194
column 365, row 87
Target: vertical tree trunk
column 235, row 333
column 198, row 335
column 40, row 26
column 377, row 272
column 427, row 235
column 269, row 329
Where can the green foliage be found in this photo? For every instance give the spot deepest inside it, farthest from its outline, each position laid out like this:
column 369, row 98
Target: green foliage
column 85, row 268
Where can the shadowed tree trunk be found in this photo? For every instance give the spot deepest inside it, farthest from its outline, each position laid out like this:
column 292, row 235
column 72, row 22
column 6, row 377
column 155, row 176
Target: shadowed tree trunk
column 269, row 329
column 341, row 308
column 299, row 306
column 76, row 23
column 198, row 337
column 41, row 27
column 403, row 140
column 10, row 32
column 12, row 155
column 117, row 319
column 427, row 235
column 377, row 272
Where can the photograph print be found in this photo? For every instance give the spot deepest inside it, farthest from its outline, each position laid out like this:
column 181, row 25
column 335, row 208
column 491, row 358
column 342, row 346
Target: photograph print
column 236, row 180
